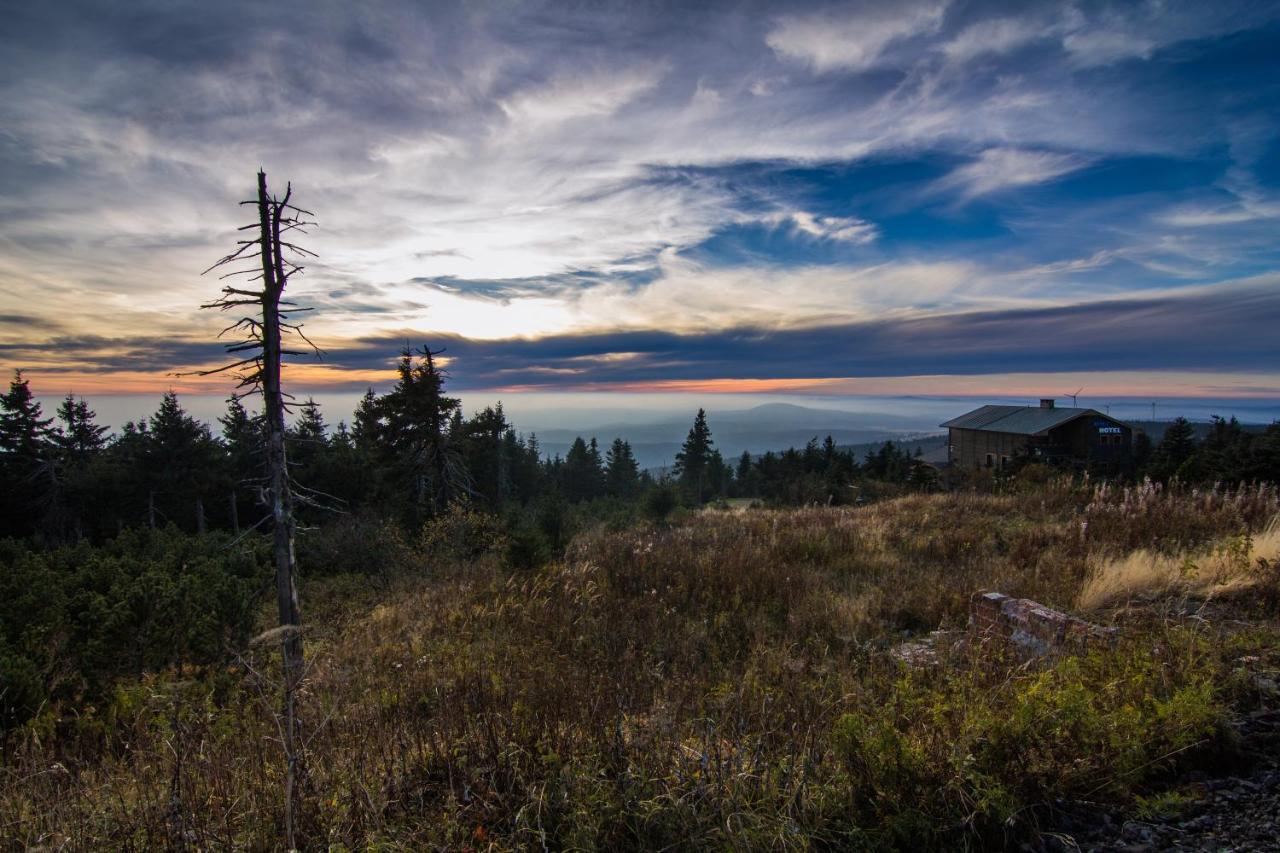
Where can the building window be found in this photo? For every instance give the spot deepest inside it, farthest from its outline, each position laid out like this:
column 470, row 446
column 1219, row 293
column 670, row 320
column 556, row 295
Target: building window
column 990, row 459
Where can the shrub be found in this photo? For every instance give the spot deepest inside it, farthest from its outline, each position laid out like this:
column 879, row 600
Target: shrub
column 81, row 617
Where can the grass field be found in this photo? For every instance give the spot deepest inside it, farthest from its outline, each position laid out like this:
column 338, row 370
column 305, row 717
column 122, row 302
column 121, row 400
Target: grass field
column 718, row 681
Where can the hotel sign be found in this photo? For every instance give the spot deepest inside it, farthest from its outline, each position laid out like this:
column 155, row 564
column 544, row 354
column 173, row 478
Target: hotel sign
column 1107, row 428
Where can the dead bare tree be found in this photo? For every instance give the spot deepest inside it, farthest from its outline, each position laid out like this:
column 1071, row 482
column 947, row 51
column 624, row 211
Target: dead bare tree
column 261, row 344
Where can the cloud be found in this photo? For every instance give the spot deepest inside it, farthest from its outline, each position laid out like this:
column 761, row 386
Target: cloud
column 994, row 36
column 525, row 171
column 1104, row 47
column 848, row 229
column 852, row 42
column 999, row 169
column 1206, row 217
column 1224, row 327
column 580, row 96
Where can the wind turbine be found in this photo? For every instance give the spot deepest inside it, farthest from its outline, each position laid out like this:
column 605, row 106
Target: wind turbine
column 1074, row 396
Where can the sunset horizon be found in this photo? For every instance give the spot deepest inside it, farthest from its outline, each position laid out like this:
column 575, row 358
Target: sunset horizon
column 941, row 199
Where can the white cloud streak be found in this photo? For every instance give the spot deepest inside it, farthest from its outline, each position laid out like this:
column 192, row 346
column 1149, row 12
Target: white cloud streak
column 852, row 40
column 998, row 169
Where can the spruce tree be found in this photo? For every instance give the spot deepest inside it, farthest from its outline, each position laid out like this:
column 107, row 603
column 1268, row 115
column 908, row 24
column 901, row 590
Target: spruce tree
column 693, row 462
column 1175, row 449
column 366, row 426
column 181, row 465
column 77, row 477
column 582, row 477
column 24, row 433
column 79, row 435
column 24, row 450
column 622, row 473
column 310, row 434
column 416, row 418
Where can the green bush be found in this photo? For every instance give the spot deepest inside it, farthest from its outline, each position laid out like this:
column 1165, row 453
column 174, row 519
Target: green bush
column 75, row 619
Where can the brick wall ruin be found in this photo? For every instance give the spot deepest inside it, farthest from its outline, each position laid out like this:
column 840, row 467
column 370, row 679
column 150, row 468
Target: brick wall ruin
column 1031, row 627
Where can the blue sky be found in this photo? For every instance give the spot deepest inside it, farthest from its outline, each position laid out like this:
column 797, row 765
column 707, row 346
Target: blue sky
column 856, row 198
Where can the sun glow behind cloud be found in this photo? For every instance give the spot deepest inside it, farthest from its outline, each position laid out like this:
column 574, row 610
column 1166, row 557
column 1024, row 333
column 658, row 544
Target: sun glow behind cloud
column 486, row 175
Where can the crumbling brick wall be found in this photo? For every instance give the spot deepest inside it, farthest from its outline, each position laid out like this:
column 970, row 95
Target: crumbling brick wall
column 1031, row 627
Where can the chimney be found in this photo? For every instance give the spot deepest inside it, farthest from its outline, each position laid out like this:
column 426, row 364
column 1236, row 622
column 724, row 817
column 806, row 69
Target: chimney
column 1046, row 403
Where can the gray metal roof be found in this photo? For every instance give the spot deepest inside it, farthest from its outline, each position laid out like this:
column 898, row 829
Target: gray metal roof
column 1020, row 420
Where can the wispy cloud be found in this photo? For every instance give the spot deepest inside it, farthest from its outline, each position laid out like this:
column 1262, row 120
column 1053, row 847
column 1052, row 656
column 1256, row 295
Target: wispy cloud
column 849, row 229
column 994, row 36
column 999, row 169
column 852, row 40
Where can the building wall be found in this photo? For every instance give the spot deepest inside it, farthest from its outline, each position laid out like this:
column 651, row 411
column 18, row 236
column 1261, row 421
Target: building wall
column 1097, row 439
column 972, row 448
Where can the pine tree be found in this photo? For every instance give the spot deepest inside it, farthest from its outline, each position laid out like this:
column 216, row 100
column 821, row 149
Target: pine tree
column 24, row 434
column 366, row 426
column 310, row 434
column 1176, row 448
column 488, row 452
column 24, row 450
column 181, row 464
column 622, row 473
column 744, row 479
column 75, row 477
column 416, row 416
column 79, row 435
column 242, row 434
column 693, row 462
column 583, row 475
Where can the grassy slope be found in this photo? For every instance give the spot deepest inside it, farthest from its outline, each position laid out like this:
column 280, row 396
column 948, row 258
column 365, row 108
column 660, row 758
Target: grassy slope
column 717, row 682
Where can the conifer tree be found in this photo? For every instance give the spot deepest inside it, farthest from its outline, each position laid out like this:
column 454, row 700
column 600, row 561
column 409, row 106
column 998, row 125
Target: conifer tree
column 487, row 452
column 583, row 475
column 24, row 432
column 181, row 464
column 416, row 416
column 273, row 260
column 242, row 437
column 79, row 441
column 622, row 473
column 24, row 451
column 310, row 434
column 79, row 435
column 366, row 426
column 1175, row 448
column 694, row 461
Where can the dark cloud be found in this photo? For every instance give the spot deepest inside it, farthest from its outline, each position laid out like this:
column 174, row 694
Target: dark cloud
column 96, row 354
column 1226, row 329
column 29, row 322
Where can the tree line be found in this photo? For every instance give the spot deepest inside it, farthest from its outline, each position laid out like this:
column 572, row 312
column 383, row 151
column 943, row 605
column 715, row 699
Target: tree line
column 411, row 454
column 1227, row 453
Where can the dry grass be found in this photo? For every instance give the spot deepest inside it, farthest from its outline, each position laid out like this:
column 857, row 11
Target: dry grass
column 1229, row 566
column 720, row 682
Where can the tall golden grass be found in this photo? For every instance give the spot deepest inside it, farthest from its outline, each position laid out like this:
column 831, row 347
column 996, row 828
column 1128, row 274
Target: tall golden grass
column 1232, row 563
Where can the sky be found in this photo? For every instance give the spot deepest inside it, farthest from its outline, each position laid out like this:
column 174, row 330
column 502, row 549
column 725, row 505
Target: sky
column 656, row 201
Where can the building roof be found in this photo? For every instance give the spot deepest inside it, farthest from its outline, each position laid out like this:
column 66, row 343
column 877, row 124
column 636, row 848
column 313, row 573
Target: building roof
column 1020, row 420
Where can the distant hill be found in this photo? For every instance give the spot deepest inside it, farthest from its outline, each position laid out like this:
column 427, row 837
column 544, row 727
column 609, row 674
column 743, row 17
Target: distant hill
column 773, row 426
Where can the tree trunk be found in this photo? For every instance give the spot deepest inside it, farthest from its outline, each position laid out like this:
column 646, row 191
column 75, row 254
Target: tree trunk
column 235, row 514
column 151, row 510
column 200, row 525
column 280, row 495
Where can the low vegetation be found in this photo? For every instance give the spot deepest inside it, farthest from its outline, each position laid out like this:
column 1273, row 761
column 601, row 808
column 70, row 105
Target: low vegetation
column 717, row 679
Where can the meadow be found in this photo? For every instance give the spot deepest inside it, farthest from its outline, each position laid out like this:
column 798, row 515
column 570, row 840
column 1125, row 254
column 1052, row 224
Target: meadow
column 722, row 679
